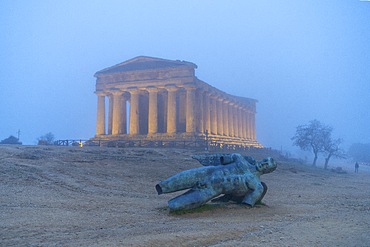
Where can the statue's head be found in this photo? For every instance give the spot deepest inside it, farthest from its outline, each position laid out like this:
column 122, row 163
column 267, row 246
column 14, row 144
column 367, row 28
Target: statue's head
column 266, row 165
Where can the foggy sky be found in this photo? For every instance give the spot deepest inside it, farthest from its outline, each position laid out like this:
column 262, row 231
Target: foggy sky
column 302, row 60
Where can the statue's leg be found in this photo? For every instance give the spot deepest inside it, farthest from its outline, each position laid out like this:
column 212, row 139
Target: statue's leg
column 263, row 193
column 183, row 180
column 192, row 199
column 239, row 199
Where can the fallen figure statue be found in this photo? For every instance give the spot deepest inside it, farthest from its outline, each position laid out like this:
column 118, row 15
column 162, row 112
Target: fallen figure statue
column 234, row 176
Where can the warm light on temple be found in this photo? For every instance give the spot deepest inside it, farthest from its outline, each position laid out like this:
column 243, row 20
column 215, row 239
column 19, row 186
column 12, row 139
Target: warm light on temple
column 158, row 99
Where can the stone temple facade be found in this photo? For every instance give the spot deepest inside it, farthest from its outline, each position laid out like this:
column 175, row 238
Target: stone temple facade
column 148, row 98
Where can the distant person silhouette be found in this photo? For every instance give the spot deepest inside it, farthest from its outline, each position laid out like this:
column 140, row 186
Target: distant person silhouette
column 356, row 167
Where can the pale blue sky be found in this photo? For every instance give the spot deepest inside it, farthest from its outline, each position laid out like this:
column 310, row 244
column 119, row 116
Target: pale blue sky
column 302, row 60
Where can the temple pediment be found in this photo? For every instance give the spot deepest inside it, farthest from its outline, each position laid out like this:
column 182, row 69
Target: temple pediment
column 145, row 63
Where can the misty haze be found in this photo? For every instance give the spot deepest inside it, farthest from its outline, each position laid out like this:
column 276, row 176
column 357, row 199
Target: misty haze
column 102, row 100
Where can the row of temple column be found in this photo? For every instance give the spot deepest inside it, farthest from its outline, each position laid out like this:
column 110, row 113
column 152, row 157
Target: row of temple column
column 204, row 112
column 228, row 118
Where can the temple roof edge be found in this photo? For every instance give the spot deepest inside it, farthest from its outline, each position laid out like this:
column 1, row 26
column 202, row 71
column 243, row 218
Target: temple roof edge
column 145, row 63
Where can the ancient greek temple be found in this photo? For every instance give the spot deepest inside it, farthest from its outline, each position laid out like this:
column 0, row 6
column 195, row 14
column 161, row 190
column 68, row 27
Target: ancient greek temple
column 148, row 98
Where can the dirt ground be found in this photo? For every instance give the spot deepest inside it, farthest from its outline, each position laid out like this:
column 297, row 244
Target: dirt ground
column 91, row 196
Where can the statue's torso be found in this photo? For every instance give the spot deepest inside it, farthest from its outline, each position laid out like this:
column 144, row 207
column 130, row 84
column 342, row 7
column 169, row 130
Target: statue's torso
column 230, row 179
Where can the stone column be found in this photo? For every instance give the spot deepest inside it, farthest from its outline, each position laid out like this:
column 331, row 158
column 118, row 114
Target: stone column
column 116, row 118
column 199, row 112
column 247, row 127
column 236, row 120
column 253, row 120
column 123, row 129
column 220, row 120
column 225, row 108
column 171, row 109
column 247, row 124
column 213, row 108
column 231, row 119
column 134, row 112
column 207, row 113
column 190, row 98
column 100, row 121
column 240, row 121
column 153, row 110
column 110, row 114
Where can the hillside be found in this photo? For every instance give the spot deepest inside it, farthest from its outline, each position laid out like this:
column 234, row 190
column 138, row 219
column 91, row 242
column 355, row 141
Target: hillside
column 93, row 196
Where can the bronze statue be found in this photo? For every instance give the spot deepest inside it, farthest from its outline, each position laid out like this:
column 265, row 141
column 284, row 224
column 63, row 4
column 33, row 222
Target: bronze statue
column 235, row 176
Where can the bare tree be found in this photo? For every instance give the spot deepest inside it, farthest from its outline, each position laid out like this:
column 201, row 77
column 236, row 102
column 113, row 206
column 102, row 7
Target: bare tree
column 312, row 137
column 332, row 149
column 47, row 139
